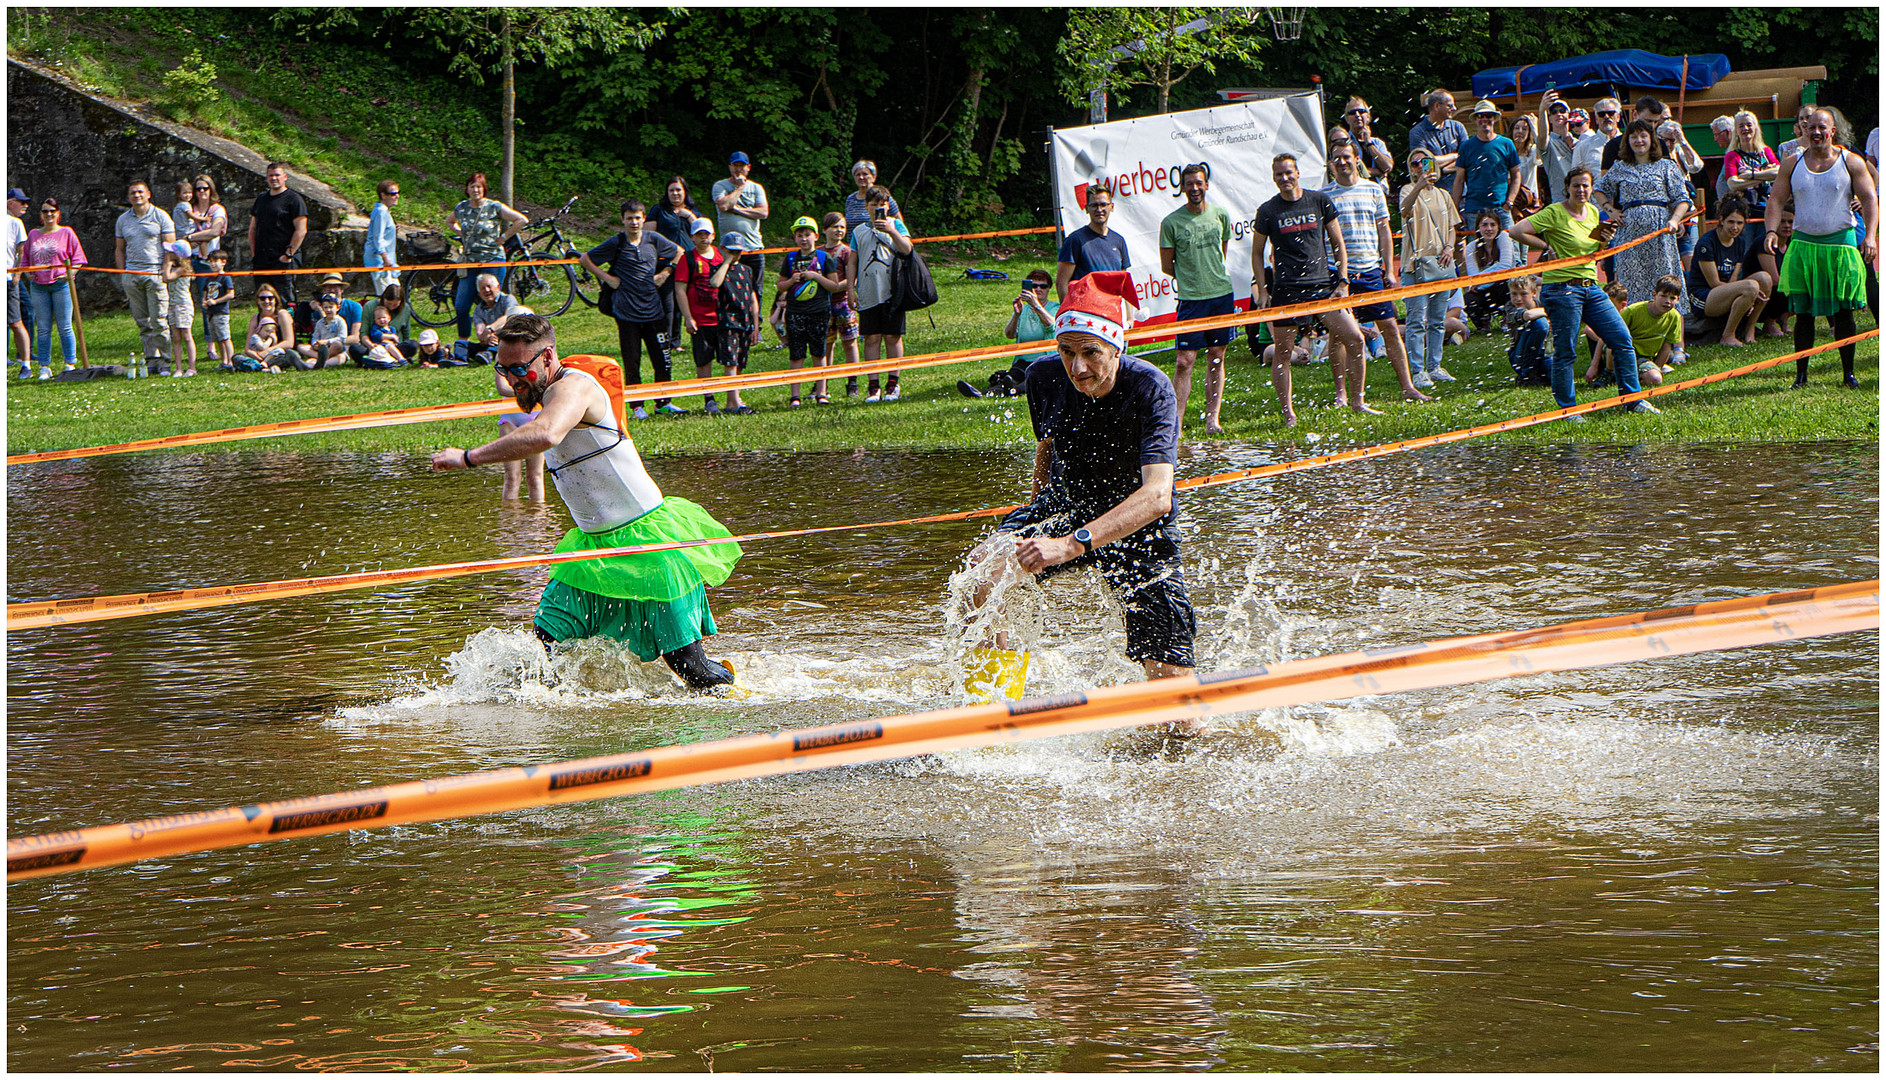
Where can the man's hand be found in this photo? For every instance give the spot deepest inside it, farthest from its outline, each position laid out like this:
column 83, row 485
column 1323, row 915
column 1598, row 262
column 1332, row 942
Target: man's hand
column 1038, row 553
column 448, row 459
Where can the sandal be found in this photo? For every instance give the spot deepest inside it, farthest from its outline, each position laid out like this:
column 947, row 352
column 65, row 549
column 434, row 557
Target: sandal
column 794, row 403
column 821, row 399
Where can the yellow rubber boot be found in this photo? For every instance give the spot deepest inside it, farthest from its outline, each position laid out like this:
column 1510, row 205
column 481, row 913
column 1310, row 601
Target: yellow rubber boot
column 996, row 673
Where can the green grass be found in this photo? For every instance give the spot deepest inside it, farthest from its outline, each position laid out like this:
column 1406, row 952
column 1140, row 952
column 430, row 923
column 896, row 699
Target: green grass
column 1753, row 408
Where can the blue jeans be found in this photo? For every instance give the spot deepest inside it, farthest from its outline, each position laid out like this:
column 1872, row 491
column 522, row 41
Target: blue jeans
column 467, row 295
column 1569, row 304
column 52, row 304
column 1427, row 313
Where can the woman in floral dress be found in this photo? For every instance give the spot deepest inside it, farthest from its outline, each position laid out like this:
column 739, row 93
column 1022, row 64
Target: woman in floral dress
column 1646, row 193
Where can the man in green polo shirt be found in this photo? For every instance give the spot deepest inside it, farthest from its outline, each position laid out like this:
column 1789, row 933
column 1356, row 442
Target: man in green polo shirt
column 1192, row 244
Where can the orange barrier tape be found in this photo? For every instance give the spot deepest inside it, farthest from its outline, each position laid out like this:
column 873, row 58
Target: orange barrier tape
column 947, row 239
column 756, row 380
column 27, row 615
column 1729, row 624
column 465, row 410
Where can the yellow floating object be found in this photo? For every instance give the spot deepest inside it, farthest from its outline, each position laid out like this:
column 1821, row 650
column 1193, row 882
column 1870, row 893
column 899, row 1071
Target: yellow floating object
column 996, row 673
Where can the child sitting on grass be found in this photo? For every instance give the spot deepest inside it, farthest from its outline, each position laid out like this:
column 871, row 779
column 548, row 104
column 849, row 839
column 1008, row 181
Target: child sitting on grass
column 383, row 344
column 1526, row 321
column 328, row 341
column 1656, row 328
column 1600, row 373
column 263, row 353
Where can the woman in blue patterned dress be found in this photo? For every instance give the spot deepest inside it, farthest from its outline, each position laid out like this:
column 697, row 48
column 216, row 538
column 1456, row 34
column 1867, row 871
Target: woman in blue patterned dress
column 1647, row 193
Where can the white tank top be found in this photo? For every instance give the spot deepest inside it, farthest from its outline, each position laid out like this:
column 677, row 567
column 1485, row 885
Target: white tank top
column 1822, row 201
column 599, row 474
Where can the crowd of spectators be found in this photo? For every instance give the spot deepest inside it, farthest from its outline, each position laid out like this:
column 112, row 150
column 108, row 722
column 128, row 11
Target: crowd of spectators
column 1561, row 181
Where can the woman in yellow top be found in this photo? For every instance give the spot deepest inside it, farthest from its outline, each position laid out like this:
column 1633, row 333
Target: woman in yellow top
column 1571, row 229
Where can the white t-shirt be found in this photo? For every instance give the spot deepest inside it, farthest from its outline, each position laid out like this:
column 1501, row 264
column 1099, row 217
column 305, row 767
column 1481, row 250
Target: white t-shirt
column 16, row 235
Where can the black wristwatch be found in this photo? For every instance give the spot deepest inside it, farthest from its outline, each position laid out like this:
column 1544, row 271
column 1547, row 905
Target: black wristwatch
column 1085, row 539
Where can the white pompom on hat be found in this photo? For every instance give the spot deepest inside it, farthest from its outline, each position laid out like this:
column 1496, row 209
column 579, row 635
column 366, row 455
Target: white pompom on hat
column 1101, row 304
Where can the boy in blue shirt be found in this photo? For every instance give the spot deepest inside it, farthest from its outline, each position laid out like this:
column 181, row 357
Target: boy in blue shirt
column 217, row 292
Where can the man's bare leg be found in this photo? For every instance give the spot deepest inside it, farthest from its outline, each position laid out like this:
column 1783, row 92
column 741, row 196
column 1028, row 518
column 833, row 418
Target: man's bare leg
column 1343, row 328
column 1182, row 362
column 1285, row 338
column 1214, row 388
column 1398, row 356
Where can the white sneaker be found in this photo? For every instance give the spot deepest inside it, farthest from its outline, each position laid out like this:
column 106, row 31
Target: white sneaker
column 1440, row 374
column 1421, row 381
column 892, row 394
column 875, row 395
column 1457, row 338
column 1641, row 407
column 45, row 372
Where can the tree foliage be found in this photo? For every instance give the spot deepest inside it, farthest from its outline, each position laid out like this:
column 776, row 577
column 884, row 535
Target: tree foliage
column 1112, row 48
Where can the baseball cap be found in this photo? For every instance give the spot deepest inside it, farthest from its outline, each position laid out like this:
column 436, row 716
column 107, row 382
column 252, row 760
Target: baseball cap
column 327, row 298
column 701, row 225
column 1578, row 116
column 1485, row 106
column 733, row 241
column 805, row 223
column 16, row 193
column 1560, row 106
column 739, row 158
column 428, row 337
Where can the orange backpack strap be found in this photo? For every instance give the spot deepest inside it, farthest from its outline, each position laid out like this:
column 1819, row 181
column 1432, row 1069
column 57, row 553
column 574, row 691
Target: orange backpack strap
column 609, row 374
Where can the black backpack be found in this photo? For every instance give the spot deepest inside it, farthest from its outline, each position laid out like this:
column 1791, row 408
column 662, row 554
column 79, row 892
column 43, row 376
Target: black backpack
column 912, row 288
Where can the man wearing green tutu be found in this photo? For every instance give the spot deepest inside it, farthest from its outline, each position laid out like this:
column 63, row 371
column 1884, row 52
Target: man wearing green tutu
column 1823, row 274
column 655, row 602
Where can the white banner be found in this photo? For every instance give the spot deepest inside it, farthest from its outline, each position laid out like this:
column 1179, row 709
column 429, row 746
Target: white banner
column 1139, row 161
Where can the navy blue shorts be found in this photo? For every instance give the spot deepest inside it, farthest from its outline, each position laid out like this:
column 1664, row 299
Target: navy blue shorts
column 1142, row 569
column 1289, row 295
column 1368, row 281
column 1200, row 309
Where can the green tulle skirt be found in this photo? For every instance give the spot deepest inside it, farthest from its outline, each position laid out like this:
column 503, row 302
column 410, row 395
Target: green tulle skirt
column 1823, row 274
column 648, row 627
column 655, row 575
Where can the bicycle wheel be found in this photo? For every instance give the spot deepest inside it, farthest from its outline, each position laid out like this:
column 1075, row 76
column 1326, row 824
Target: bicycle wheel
column 584, row 282
column 527, row 284
column 431, row 294
column 558, row 287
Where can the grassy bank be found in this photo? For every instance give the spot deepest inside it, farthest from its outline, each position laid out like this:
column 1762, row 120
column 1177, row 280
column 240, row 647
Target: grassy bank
column 52, row 415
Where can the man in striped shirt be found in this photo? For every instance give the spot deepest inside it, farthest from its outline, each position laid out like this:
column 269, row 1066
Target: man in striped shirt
column 1362, row 215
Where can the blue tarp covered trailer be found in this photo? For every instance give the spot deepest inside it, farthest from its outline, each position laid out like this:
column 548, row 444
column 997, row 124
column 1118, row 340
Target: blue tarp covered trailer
column 1634, row 69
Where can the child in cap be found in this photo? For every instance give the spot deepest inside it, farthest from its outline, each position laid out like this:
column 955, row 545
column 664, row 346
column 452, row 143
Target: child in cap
column 329, row 337
column 263, row 353
column 805, row 289
column 217, row 292
column 698, row 274
column 177, row 275
column 431, row 354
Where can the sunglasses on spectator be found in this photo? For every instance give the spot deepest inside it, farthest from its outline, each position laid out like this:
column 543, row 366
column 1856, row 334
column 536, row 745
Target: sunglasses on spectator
column 1034, row 284
column 202, row 187
column 1607, row 112
column 518, row 370
column 1357, row 112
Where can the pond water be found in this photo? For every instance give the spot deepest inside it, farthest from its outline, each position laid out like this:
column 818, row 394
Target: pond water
column 1653, row 866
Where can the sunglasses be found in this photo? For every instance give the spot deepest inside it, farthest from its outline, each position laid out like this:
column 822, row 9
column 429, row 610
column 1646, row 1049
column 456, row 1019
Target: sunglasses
column 1038, row 285
column 392, row 193
column 202, row 187
column 48, row 209
column 1607, row 112
column 518, row 370
column 1358, row 112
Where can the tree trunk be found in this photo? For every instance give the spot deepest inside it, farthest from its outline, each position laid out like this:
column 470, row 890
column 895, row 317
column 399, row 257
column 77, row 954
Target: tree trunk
column 963, row 154
column 507, row 167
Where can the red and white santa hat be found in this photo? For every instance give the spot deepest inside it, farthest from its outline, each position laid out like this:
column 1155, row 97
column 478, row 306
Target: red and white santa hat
column 1101, row 304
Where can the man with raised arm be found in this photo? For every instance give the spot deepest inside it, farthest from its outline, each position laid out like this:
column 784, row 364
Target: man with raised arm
column 1108, row 431
column 654, row 602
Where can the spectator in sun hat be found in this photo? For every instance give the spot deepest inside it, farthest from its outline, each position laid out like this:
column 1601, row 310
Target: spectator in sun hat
column 308, row 311
column 740, row 206
column 1486, row 170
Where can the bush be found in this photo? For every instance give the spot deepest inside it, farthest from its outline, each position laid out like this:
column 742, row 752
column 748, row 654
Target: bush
column 192, row 83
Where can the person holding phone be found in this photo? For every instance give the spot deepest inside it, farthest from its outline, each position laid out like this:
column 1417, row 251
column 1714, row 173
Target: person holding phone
column 1032, row 319
column 1571, row 297
column 1427, row 255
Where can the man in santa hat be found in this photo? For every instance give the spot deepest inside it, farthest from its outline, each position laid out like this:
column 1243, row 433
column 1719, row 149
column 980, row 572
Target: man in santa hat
column 1108, row 426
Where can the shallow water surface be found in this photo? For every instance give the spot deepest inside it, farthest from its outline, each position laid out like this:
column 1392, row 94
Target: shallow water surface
column 1652, row 866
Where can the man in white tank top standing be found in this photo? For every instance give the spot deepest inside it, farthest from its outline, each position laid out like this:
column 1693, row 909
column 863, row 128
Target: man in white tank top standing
column 1824, row 271
column 654, row 602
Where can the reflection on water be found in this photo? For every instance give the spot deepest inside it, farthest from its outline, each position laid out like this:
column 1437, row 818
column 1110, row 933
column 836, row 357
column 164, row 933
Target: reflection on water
column 1668, row 866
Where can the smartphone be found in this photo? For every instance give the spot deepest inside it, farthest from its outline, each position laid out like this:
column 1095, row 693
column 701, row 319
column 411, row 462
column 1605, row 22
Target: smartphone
column 880, row 214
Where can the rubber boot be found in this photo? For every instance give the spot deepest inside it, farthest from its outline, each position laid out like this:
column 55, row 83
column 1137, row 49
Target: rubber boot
column 996, row 674
column 696, row 669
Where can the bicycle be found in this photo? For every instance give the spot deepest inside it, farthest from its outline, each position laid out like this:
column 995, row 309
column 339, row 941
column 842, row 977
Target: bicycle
column 432, row 293
column 548, row 243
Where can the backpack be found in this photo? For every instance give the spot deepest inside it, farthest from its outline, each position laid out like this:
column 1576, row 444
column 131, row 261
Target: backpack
column 912, row 288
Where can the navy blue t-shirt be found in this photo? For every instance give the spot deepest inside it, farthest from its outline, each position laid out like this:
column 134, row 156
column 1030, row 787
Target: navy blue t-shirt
column 1099, row 445
column 808, row 297
column 639, row 299
column 1089, row 251
column 1711, row 249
